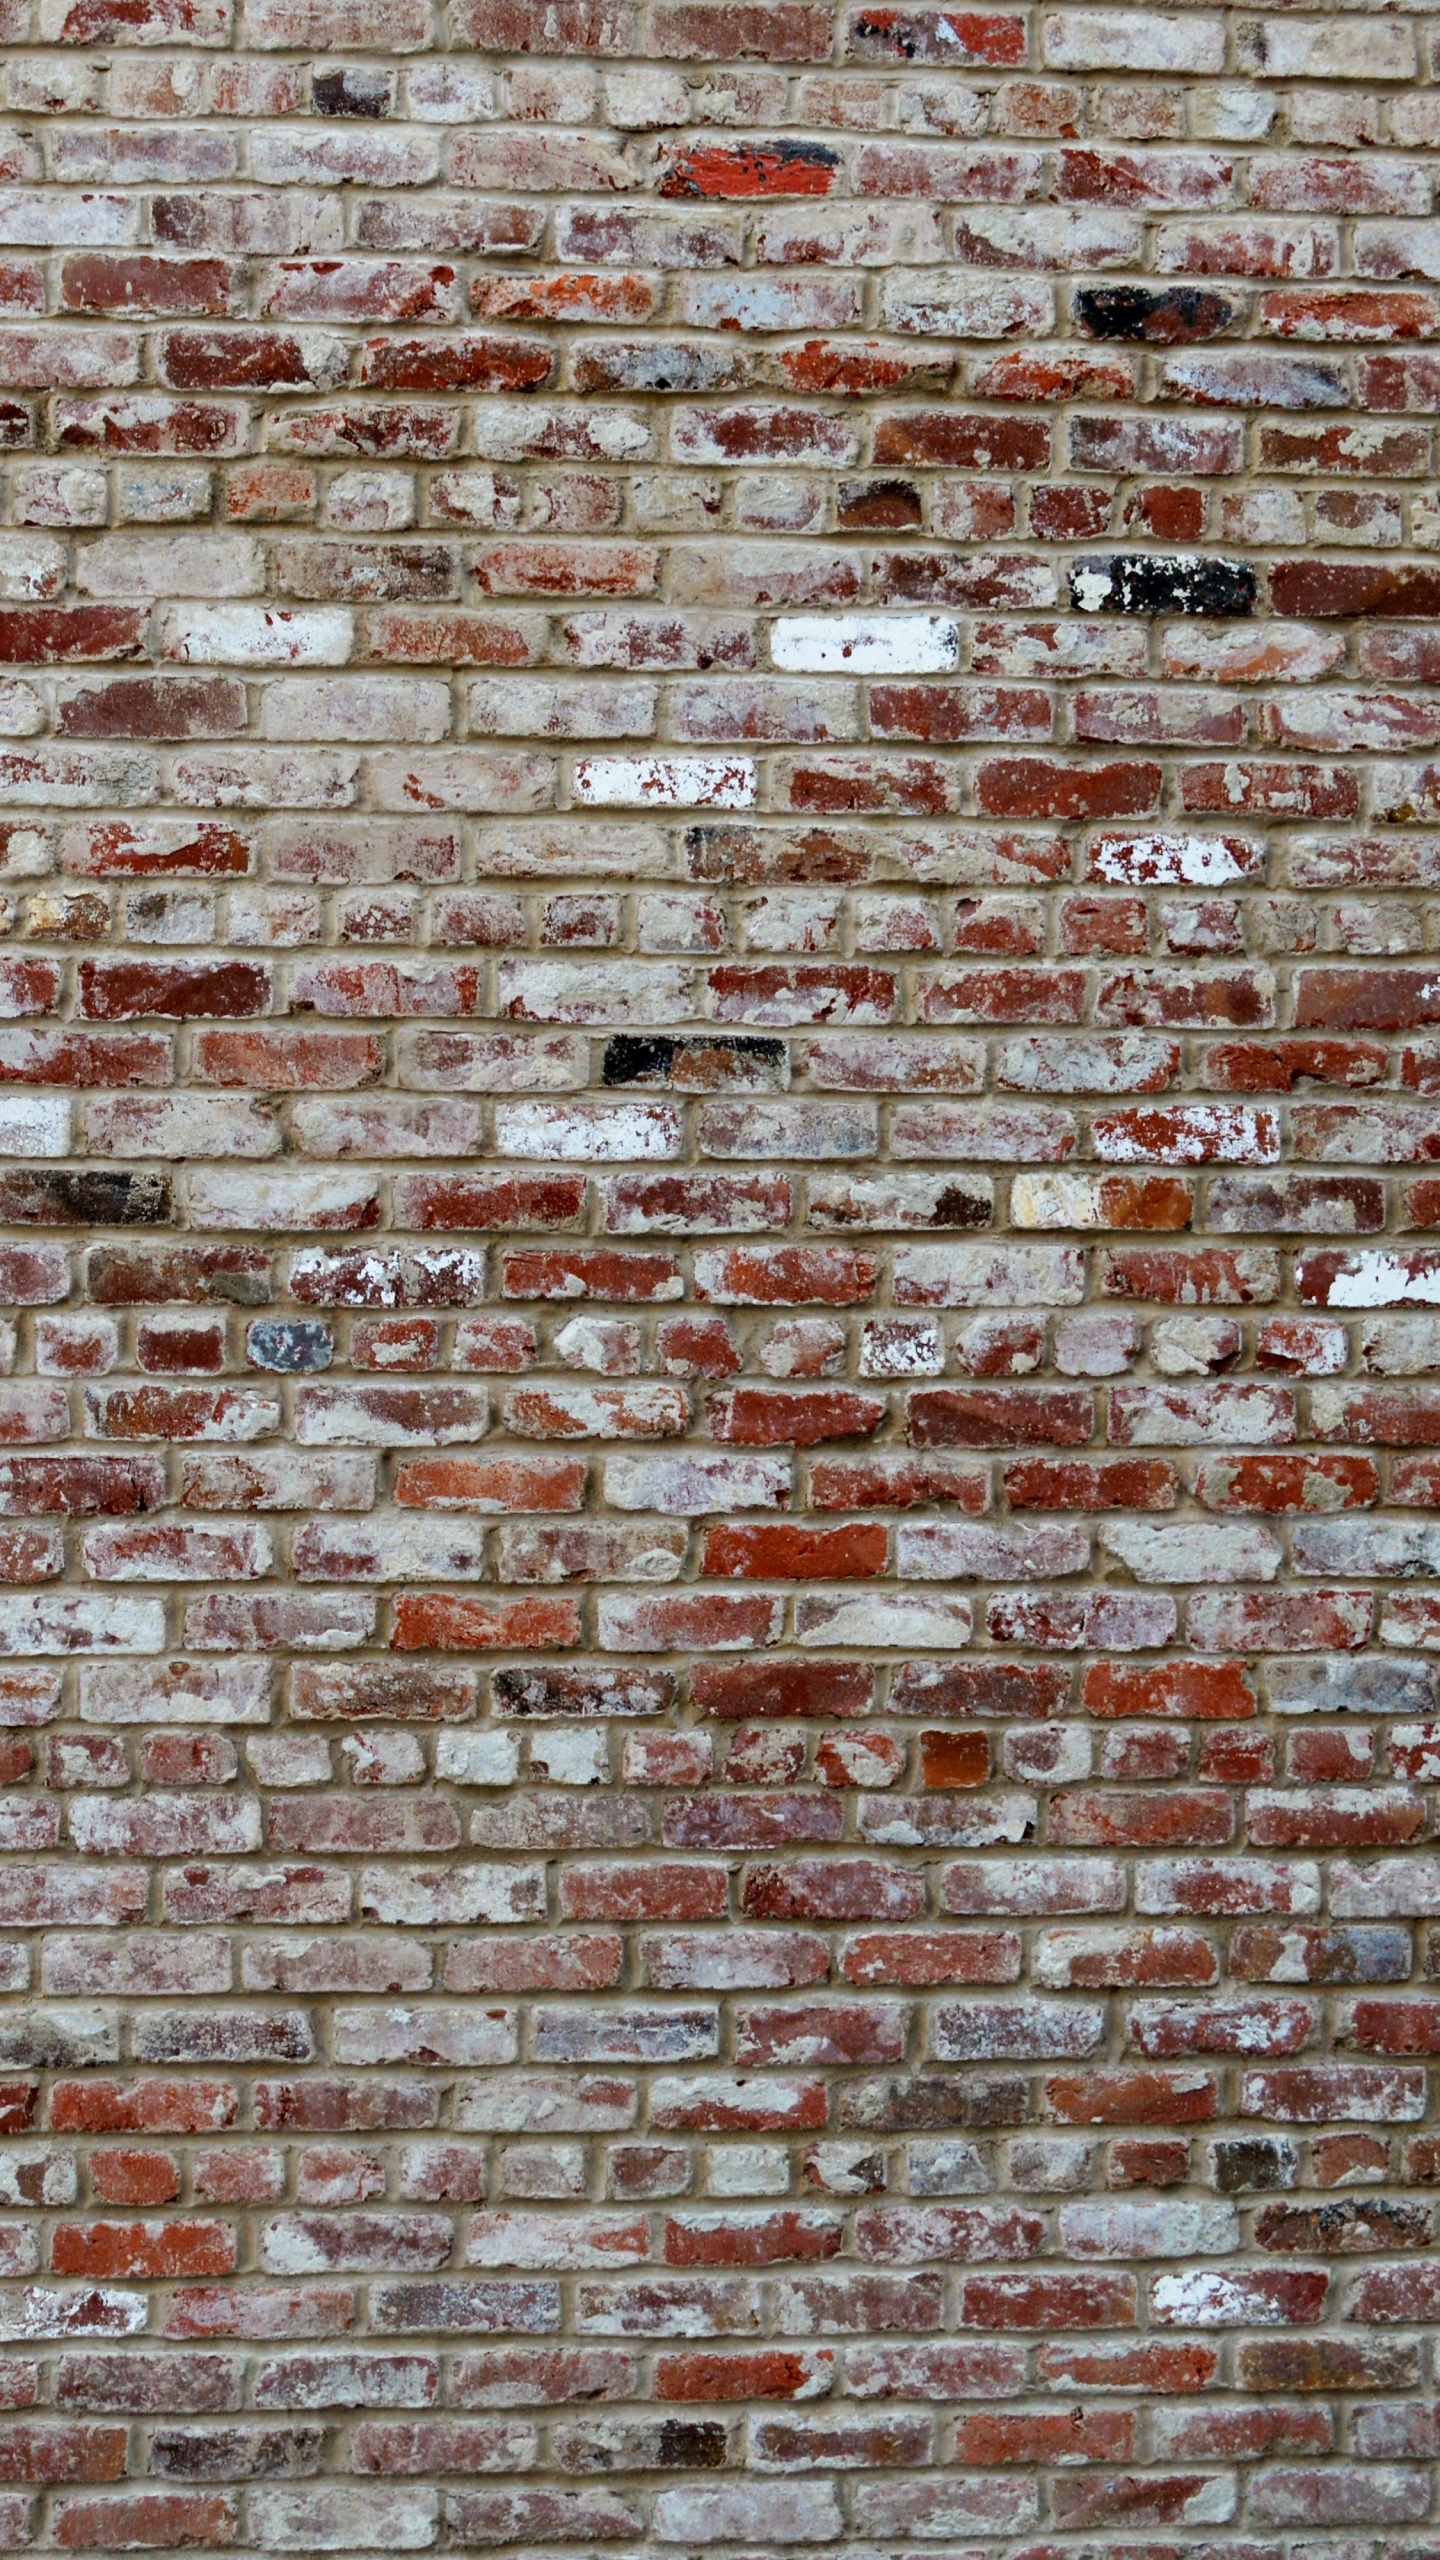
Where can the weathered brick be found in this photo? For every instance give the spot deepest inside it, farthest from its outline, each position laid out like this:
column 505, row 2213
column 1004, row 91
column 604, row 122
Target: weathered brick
column 786, row 1647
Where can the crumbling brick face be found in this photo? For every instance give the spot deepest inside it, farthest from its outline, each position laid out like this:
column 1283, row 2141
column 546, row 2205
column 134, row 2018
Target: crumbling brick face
column 719, row 1444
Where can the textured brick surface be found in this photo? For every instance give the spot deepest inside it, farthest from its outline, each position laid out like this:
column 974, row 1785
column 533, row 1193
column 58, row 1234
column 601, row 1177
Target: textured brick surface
column 720, row 1087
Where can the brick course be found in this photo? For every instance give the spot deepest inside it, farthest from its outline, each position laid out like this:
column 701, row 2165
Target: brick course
column 719, row 1086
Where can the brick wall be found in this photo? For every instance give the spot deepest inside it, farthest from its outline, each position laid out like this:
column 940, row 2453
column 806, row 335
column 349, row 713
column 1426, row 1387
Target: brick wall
column 721, row 1093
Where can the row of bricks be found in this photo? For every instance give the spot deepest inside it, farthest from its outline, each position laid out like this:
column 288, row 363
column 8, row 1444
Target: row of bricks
column 80, row 1621
column 473, row 87
column 1096, row 2100
column 938, row 304
column 844, row 2436
column 1087, row 1957
column 814, row 921
column 665, row 922
column 42, row 1124
column 866, row 2034
column 376, row 291
column 149, row 423
column 1097, row 40
column 373, row 708
column 228, row 564
column 680, row 1203
column 239, row 1693
column 121, row 986
column 390, row 1548
column 146, row 421
column 815, row 1888
column 203, row 2382
column 239, row 2173
column 1342, row 1618
column 207, row 2385
column 277, row 1061
column 1096, row 1344
column 596, row 161
column 485, row 781
column 377, row 707
column 469, row 88
column 1103, row 39
column 366, row 708
column 454, row 1278
column 377, row 2237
